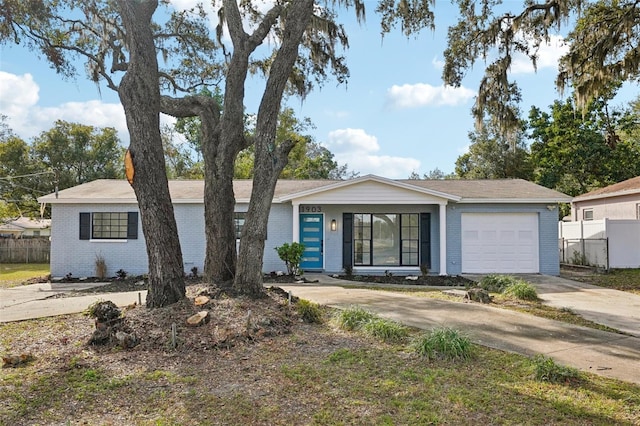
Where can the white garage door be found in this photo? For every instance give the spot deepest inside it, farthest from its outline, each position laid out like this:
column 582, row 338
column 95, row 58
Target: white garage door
column 500, row 242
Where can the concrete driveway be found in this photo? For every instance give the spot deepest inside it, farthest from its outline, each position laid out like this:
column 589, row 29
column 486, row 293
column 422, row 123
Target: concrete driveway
column 616, row 309
column 608, row 354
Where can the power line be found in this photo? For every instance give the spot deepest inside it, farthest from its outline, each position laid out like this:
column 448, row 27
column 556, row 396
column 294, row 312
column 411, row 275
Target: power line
column 29, row 175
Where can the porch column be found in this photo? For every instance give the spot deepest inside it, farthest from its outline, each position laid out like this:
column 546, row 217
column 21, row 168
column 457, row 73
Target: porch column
column 296, row 222
column 443, row 239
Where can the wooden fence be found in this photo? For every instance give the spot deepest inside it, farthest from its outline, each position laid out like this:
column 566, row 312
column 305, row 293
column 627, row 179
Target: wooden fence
column 27, row 250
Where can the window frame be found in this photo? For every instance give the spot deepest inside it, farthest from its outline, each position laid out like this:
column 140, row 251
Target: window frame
column 109, row 225
column 363, row 238
column 585, row 212
column 128, row 223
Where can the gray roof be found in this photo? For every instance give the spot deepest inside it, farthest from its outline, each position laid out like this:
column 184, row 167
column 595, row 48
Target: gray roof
column 627, row 187
column 186, row 191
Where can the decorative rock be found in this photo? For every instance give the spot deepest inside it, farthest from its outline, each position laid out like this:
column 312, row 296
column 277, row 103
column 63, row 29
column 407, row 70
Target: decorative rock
column 411, row 278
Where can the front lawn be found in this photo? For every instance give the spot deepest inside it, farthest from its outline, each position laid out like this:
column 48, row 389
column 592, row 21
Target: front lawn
column 14, row 274
column 313, row 375
column 617, row 279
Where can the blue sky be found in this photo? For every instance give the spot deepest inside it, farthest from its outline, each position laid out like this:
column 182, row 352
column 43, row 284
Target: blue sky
column 393, row 117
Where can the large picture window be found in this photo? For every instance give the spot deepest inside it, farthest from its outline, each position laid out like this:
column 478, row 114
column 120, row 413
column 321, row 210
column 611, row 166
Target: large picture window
column 389, row 239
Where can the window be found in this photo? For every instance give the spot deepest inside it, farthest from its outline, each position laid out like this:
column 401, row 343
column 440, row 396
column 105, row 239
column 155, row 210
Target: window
column 239, row 223
column 109, row 226
column 386, row 239
column 638, row 211
column 587, row 214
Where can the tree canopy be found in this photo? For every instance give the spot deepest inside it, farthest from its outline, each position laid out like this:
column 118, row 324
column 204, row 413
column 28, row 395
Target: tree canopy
column 603, row 38
column 64, row 156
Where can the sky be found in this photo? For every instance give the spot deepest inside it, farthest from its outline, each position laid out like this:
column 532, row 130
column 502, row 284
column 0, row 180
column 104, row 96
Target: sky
column 393, row 117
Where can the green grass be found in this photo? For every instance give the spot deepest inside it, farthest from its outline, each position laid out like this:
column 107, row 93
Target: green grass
column 316, row 375
column 522, row 290
column 617, row 279
column 14, row 274
column 444, row 343
column 309, row 311
column 547, row 370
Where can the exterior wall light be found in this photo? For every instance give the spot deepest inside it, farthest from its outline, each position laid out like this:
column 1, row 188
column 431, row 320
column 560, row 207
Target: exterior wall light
column 334, row 225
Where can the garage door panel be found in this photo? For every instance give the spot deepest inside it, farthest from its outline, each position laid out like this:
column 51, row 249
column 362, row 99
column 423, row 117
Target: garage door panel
column 500, row 242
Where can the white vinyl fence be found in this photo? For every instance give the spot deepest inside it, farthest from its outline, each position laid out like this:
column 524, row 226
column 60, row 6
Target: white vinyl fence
column 605, row 243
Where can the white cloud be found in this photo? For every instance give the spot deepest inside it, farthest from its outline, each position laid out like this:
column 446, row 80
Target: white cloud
column 548, row 56
column 19, row 102
column 437, row 63
column 357, row 149
column 19, row 93
column 421, row 94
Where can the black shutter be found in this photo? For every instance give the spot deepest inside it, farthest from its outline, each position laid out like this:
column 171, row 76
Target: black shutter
column 132, row 226
column 85, row 226
column 347, row 241
column 425, row 239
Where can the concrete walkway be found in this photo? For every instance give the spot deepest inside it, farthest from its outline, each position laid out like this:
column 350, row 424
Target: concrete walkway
column 39, row 300
column 607, row 354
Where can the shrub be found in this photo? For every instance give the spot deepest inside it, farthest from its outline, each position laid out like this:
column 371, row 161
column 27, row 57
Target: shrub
column 546, row 370
column 121, row 274
column 424, row 269
column 291, row 255
column 494, row 283
column 386, row 330
column 101, row 267
column 348, row 270
column 310, row 312
column 522, row 290
column 353, row 318
column 444, row 343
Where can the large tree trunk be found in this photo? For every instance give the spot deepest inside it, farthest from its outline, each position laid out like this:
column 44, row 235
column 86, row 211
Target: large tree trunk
column 219, row 206
column 219, row 201
column 270, row 158
column 140, row 97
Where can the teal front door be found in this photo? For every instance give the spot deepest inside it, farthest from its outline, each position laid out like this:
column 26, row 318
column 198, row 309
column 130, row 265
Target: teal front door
column 312, row 237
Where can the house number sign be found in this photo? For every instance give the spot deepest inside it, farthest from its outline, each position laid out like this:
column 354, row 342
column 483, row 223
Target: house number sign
column 311, row 209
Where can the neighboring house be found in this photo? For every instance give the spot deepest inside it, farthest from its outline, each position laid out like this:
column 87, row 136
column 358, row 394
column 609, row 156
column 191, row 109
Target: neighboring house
column 618, row 201
column 604, row 230
column 370, row 224
column 25, row 227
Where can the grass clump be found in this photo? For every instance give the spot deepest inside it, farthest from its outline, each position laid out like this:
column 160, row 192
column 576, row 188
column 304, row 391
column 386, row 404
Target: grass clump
column 386, row 330
column 353, row 318
column 495, row 283
column 356, row 318
column 444, row 343
column 547, row 370
column 522, row 290
column 309, row 312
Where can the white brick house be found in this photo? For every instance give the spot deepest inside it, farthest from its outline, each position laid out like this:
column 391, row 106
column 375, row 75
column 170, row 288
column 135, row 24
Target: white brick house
column 371, row 224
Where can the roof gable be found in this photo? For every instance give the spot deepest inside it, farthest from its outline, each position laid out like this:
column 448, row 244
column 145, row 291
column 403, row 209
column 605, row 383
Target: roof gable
column 370, row 189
